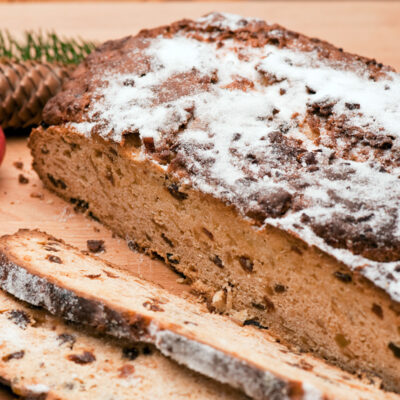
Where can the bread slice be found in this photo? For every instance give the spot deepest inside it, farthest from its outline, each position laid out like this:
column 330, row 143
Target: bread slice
column 80, row 287
column 254, row 160
column 43, row 358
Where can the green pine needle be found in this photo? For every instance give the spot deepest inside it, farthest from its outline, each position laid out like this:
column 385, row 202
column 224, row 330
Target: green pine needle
column 44, row 47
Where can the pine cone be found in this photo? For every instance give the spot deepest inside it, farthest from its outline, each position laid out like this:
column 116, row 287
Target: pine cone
column 25, row 87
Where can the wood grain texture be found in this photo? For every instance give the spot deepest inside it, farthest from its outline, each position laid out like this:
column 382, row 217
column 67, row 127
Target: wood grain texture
column 367, row 28
column 370, row 28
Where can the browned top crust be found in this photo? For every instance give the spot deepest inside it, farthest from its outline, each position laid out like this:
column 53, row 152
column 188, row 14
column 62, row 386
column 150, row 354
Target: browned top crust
column 291, row 130
column 115, row 56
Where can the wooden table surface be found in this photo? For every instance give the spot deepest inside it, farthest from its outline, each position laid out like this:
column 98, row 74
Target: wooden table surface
column 368, row 28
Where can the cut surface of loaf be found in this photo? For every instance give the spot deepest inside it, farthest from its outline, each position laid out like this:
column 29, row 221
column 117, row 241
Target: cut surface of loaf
column 260, row 163
column 43, row 271
column 43, row 358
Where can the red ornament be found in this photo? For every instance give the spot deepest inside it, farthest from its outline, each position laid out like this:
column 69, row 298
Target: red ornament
column 2, row 145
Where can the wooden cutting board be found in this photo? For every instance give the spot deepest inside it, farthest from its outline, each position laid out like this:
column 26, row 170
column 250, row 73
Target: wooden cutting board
column 368, row 28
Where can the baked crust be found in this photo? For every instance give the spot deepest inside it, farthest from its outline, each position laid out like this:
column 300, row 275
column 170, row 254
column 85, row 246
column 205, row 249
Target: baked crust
column 327, row 172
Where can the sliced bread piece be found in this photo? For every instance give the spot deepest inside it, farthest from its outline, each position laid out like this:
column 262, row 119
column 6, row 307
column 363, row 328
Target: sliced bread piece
column 42, row 357
column 80, row 287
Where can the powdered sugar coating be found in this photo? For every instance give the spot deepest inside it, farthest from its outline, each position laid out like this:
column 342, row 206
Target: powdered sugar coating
column 38, row 389
column 225, row 21
column 293, row 139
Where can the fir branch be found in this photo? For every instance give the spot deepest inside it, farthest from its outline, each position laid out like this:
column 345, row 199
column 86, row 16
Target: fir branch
column 44, row 47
